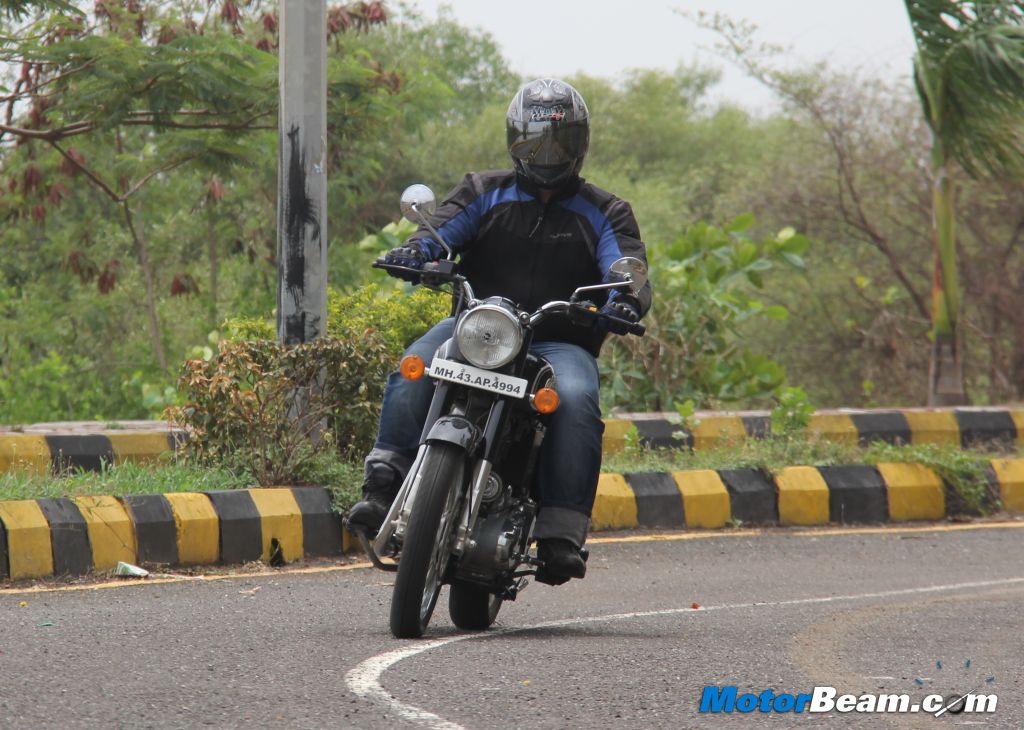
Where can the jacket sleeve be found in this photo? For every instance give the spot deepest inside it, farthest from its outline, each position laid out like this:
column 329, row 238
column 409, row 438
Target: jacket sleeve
column 457, row 219
column 621, row 237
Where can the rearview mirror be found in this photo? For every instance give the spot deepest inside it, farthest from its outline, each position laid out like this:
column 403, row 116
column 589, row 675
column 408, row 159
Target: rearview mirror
column 417, row 203
column 630, row 271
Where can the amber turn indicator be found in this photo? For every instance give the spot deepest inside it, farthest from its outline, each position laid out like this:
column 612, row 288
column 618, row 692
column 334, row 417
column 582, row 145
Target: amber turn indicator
column 412, row 367
column 545, row 400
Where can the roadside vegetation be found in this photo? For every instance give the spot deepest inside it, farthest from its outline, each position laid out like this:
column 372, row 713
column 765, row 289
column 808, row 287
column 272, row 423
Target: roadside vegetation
column 791, row 248
column 964, row 471
column 341, row 477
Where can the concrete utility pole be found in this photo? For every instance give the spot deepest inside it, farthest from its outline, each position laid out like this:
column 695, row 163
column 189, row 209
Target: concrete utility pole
column 301, row 173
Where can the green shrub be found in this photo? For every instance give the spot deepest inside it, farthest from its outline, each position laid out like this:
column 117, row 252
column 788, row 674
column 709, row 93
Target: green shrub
column 262, row 407
column 398, row 316
column 963, row 472
column 706, row 285
column 51, row 388
column 256, row 405
column 792, row 412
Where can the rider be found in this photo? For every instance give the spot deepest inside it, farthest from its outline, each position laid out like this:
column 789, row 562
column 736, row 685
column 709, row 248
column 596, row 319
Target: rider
column 532, row 234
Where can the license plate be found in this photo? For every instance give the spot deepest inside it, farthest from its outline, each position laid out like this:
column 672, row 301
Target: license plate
column 474, row 377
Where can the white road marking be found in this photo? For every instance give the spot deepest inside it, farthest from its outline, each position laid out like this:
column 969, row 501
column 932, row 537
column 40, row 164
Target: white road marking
column 365, row 679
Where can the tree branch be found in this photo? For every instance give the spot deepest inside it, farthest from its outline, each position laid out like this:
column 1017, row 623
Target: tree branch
column 95, row 179
column 146, row 178
column 228, row 126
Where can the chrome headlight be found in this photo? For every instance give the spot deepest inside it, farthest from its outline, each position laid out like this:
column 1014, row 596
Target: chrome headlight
column 489, row 336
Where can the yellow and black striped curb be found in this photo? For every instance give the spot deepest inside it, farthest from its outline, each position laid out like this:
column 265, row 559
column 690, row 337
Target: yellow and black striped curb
column 77, row 535
column 53, row 453
column 40, row 453
column 955, row 426
column 45, row 537
column 796, row 495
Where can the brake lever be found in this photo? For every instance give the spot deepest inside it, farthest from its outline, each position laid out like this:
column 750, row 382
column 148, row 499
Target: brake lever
column 631, row 328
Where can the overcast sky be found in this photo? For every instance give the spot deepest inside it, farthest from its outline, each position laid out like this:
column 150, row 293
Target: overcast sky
column 604, row 37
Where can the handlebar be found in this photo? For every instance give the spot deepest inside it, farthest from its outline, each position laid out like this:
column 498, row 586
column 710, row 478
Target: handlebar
column 443, row 272
column 586, row 311
column 632, row 328
column 433, row 268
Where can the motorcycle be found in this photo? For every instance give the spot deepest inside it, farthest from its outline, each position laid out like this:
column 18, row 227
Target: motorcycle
column 465, row 511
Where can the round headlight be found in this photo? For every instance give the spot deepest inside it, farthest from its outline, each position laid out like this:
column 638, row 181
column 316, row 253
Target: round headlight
column 489, row 336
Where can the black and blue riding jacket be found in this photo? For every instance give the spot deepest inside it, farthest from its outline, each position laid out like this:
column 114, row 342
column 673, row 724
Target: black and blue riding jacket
column 510, row 244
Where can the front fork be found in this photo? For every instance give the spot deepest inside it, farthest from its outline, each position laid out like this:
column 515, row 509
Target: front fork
column 451, row 429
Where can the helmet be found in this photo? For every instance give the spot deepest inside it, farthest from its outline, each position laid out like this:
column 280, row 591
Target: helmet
column 547, row 129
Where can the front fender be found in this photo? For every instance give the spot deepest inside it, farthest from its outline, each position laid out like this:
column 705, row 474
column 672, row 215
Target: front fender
column 455, row 430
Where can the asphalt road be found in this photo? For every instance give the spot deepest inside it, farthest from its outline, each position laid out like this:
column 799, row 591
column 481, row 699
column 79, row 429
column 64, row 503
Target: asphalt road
column 887, row 611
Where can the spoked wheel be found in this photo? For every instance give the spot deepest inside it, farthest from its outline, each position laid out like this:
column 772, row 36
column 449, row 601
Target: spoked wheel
column 471, row 607
column 427, row 544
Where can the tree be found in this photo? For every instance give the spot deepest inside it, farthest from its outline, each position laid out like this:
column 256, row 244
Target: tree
column 969, row 73
column 73, row 294
column 117, row 124
column 863, row 180
column 139, row 81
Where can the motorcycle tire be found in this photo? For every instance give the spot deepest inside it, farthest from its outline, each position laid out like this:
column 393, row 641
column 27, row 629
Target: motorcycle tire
column 426, row 547
column 471, row 607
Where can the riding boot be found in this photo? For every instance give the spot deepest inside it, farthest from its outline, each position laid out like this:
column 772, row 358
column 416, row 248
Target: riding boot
column 380, row 487
column 562, row 561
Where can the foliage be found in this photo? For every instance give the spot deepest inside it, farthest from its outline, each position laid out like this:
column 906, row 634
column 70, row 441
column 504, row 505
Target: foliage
column 792, row 412
column 121, row 479
column 399, row 317
column 260, row 407
column 766, row 454
column 867, row 194
column 106, row 269
column 706, row 284
column 40, row 391
column 969, row 74
column 255, row 404
column 83, row 300
column 963, row 472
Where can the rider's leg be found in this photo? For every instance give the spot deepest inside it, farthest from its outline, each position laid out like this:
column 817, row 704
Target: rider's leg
column 405, row 407
column 570, row 458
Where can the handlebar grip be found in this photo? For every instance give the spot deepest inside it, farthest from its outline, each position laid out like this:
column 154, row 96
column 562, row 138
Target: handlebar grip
column 625, row 327
column 382, row 263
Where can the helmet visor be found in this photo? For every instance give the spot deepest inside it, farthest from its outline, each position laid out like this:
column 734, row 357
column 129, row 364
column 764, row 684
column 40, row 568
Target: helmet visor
column 547, row 142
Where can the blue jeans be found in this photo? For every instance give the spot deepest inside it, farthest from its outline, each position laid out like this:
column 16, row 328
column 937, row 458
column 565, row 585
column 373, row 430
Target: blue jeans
column 570, row 458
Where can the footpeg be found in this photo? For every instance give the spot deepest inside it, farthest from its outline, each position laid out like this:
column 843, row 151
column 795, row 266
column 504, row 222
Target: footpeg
column 364, row 542
column 513, row 590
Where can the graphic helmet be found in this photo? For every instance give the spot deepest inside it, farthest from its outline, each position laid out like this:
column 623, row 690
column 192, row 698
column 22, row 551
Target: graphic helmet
column 547, row 129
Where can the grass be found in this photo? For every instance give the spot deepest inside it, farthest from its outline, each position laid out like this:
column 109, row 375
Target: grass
column 963, row 470
column 119, row 480
column 342, row 479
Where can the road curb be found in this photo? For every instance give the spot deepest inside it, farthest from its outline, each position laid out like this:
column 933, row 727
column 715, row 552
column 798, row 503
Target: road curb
column 795, row 495
column 962, row 427
column 54, row 537
column 42, row 451
column 53, row 453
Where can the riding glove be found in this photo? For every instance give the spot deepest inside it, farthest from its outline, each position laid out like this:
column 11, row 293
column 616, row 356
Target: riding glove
column 409, row 255
column 622, row 308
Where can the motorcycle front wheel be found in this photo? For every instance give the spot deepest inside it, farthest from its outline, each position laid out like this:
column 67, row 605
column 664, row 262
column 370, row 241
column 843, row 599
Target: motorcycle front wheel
column 426, row 547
